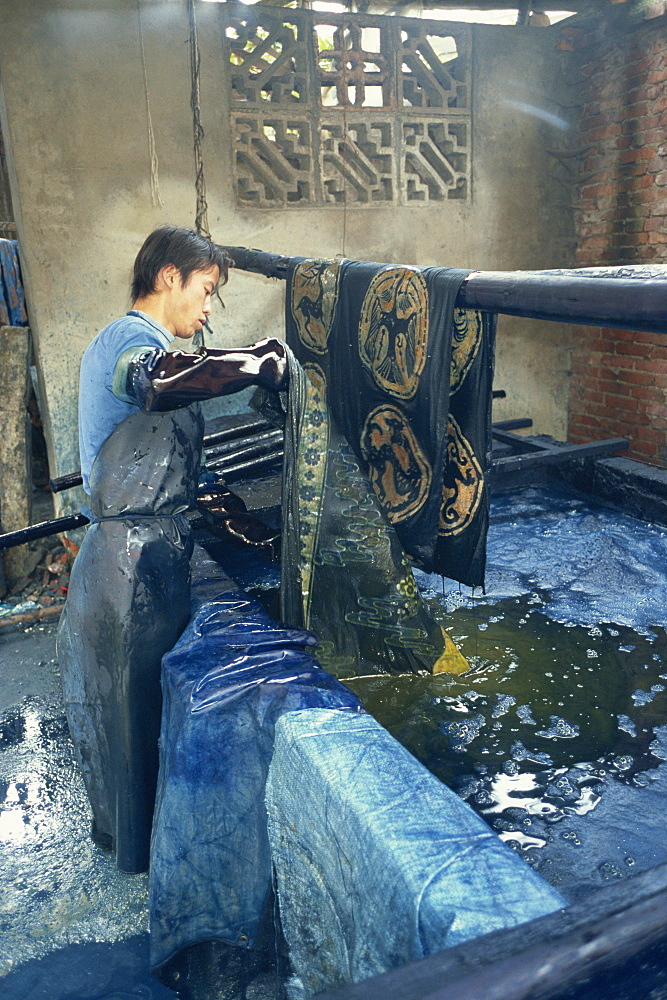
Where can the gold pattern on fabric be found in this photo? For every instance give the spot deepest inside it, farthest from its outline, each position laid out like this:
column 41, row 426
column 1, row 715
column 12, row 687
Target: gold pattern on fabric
column 314, row 296
column 463, row 484
column 311, row 473
column 399, row 471
column 467, row 331
column 393, row 330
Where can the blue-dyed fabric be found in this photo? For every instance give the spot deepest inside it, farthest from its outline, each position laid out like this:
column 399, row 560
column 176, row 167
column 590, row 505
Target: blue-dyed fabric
column 377, row 863
column 232, row 674
column 12, row 300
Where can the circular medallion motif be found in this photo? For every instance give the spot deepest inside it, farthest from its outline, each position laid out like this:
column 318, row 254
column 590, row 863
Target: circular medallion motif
column 393, row 330
column 399, row 472
column 314, row 293
column 463, row 483
column 467, row 330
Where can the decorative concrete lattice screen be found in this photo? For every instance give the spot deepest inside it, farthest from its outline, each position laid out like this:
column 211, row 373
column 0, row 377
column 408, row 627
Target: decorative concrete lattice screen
column 351, row 109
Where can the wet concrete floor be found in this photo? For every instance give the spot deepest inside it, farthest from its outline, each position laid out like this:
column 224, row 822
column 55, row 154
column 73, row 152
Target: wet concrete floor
column 71, row 926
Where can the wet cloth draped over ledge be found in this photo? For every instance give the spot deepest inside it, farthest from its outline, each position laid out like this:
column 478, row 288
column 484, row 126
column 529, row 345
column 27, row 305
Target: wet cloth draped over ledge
column 386, row 444
column 12, row 303
column 244, row 699
column 377, row 863
column 231, row 675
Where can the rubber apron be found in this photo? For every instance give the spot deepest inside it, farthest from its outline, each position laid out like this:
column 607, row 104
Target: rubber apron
column 127, row 604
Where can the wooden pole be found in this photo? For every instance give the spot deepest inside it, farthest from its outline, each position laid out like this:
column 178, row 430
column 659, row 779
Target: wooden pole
column 633, row 297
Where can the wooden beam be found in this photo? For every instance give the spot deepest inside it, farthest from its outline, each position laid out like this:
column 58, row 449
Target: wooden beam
column 625, row 298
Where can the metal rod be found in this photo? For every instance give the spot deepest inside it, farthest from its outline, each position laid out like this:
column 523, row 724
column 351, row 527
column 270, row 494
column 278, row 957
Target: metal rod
column 242, row 469
column 238, row 445
column 252, row 425
column 42, row 530
column 73, row 479
column 67, row 482
column 511, row 425
column 627, row 298
column 269, row 444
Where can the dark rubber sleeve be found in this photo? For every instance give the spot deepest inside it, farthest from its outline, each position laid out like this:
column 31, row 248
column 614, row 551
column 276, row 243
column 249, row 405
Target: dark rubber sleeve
column 166, row 380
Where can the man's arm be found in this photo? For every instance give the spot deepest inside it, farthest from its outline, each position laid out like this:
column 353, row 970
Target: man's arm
column 155, row 379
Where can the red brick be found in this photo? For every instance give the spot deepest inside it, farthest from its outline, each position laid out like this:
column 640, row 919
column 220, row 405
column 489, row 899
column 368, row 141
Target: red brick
column 636, row 108
column 642, row 181
column 595, row 190
column 636, row 379
column 644, row 337
column 623, row 403
column 653, row 363
column 615, row 389
column 632, row 168
column 622, row 363
column 651, row 434
column 653, row 407
column 607, row 131
column 633, row 348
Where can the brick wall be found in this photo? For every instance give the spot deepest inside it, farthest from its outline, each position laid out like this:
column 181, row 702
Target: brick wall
column 619, row 378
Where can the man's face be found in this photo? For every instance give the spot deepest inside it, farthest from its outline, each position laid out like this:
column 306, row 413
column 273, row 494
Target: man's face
column 190, row 303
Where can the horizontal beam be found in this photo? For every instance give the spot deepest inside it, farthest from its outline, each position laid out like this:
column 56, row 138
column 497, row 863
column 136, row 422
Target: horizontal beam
column 553, row 456
column 626, row 298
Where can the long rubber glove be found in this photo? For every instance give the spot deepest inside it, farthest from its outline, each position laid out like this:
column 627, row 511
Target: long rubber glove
column 167, row 380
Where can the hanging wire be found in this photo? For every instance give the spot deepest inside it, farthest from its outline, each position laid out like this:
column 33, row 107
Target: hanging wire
column 201, row 212
column 344, row 143
column 156, row 198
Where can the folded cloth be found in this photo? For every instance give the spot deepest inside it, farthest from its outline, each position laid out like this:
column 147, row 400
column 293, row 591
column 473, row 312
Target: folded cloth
column 12, row 300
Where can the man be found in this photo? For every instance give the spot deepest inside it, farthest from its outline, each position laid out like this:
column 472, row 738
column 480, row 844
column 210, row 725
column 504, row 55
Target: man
column 140, row 442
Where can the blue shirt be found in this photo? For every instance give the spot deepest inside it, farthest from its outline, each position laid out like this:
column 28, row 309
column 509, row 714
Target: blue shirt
column 100, row 411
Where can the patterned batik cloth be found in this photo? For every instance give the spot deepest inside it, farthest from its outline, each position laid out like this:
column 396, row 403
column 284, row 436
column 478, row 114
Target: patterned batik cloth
column 12, row 304
column 386, row 441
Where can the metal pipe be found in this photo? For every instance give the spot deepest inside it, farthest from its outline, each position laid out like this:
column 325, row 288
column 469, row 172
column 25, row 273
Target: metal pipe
column 42, row 530
column 253, row 424
column 239, row 444
column 628, row 298
column 270, row 443
column 242, row 469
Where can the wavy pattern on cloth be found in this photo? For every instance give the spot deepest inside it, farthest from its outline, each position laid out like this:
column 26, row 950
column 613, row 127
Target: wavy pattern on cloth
column 382, row 465
column 12, row 302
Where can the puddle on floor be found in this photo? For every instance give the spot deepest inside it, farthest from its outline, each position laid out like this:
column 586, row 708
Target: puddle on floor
column 58, row 889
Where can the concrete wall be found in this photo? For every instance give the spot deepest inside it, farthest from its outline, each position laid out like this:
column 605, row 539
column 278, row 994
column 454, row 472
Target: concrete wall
column 75, row 127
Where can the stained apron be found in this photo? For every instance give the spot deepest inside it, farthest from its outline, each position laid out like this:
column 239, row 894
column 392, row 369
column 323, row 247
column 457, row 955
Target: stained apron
column 127, row 604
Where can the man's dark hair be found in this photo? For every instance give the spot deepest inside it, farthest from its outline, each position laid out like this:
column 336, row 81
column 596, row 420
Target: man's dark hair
column 181, row 247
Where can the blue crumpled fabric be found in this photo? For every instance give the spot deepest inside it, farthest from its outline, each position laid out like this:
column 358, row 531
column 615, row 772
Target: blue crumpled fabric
column 12, row 300
column 231, row 675
column 377, row 862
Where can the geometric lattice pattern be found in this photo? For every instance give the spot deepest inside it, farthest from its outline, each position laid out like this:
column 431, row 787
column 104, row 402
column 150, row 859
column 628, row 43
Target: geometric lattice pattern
column 347, row 109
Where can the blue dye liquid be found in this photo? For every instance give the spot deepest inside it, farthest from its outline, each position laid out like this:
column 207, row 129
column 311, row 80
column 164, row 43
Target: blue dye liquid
column 558, row 732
